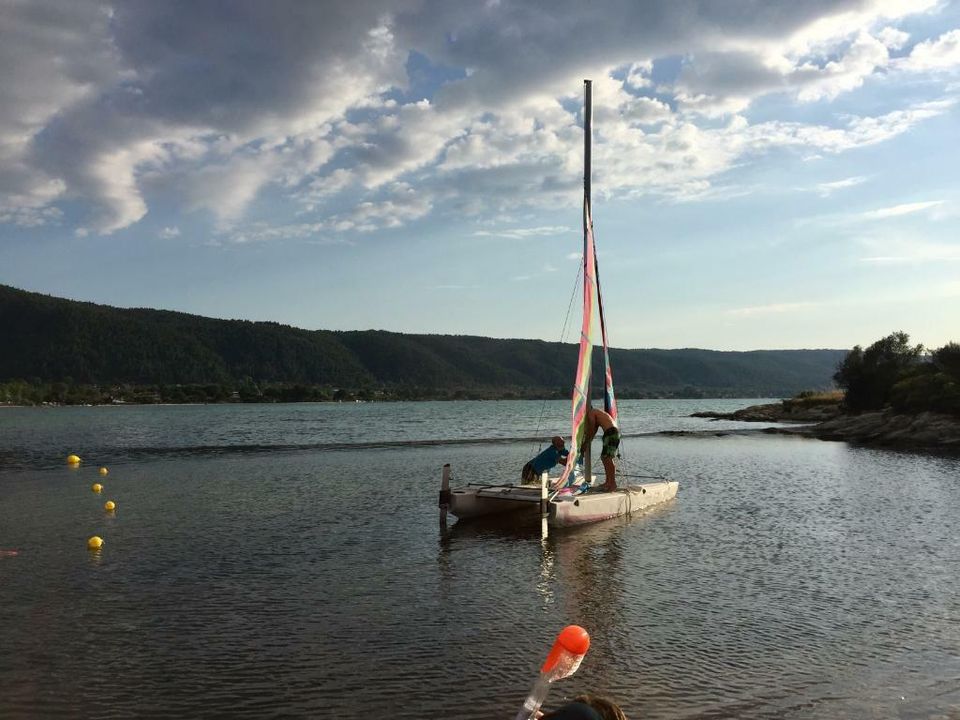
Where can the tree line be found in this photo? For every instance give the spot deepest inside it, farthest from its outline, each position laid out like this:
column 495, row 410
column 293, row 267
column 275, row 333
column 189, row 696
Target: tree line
column 892, row 373
column 63, row 351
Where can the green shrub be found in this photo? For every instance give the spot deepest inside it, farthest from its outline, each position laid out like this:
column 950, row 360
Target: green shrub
column 947, row 360
column 932, row 391
column 868, row 376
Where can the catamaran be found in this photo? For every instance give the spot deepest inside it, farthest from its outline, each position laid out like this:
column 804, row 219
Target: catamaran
column 572, row 498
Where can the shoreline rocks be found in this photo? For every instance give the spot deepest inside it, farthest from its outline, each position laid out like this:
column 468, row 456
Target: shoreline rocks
column 925, row 430
column 787, row 411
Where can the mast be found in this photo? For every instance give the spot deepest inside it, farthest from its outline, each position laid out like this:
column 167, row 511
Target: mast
column 588, row 257
column 587, row 138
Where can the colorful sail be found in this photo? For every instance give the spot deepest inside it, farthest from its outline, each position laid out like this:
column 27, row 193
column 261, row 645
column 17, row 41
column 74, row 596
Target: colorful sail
column 609, row 398
column 581, row 388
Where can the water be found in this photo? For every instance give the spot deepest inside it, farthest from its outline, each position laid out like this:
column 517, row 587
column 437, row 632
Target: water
column 285, row 561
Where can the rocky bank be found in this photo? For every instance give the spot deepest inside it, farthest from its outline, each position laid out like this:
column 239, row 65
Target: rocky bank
column 924, row 430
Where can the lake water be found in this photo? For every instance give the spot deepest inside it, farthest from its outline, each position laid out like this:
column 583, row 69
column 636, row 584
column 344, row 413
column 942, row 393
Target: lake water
column 286, row 561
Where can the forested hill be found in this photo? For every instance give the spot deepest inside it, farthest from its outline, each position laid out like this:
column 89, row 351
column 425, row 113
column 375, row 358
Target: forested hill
column 47, row 339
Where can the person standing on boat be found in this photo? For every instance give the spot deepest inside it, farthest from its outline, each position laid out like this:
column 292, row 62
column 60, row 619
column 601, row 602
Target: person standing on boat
column 611, row 442
column 555, row 454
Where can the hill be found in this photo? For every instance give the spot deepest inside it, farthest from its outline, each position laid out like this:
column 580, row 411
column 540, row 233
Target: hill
column 52, row 340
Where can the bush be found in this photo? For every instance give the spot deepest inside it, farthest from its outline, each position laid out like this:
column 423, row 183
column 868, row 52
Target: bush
column 932, row 391
column 868, row 376
column 947, row 360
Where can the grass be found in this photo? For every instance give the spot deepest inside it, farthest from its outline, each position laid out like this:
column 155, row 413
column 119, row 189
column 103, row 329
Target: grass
column 810, row 398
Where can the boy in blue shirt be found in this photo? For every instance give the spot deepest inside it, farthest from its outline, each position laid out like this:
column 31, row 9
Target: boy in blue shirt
column 553, row 455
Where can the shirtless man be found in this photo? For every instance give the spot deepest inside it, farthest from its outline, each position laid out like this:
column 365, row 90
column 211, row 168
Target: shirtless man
column 611, row 441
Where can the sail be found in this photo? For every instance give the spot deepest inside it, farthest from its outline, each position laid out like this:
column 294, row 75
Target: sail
column 581, row 388
column 609, row 398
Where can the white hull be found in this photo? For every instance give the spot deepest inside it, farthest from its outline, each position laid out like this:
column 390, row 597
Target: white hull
column 478, row 500
column 596, row 506
column 564, row 511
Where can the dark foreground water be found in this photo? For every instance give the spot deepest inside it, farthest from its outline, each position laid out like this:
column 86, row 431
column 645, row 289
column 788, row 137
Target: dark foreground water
column 286, row 561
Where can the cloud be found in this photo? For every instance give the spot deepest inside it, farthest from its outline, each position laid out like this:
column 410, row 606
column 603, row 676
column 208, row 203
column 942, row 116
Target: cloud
column 168, row 233
column 111, row 105
column 900, row 210
column 864, row 56
column 226, row 189
column 28, row 217
column 523, row 233
column 316, row 233
column 893, row 38
column 53, row 55
column 828, row 188
column 400, row 206
column 912, row 251
column 939, row 54
column 638, row 74
column 152, row 76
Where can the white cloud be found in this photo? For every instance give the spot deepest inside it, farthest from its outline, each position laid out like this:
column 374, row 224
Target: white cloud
column 647, row 110
column 828, row 188
column 227, row 189
column 638, row 74
column 523, row 233
column 900, row 210
column 26, row 216
column 262, row 232
column 939, row 54
column 837, row 22
column 402, row 205
column 168, row 233
column 106, row 105
column 865, row 55
column 893, row 38
column 908, row 251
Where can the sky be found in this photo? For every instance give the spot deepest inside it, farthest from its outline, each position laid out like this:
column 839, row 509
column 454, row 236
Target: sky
column 766, row 173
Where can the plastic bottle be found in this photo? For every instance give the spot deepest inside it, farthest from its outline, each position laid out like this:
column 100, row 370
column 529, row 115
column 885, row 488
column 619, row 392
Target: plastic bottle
column 565, row 657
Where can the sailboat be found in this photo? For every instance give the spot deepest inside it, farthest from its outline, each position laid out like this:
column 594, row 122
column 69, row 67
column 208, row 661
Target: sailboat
column 571, row 499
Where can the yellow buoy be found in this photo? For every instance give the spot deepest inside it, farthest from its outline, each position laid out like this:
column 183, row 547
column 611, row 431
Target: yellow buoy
column 73, row 459
column 97, row 487
column 103, row 471
column 109, row 506
column 94, row 543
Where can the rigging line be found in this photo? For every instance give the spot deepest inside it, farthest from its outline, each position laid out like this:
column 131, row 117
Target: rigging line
column 563, row 335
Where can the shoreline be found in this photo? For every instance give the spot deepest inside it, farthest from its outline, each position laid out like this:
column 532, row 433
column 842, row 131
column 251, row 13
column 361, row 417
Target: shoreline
column 922, row 431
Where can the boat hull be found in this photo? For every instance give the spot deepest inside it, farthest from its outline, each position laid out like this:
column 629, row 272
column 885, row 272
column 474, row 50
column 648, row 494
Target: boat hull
column 596, row 506
column 481, row 500
column 478, row 501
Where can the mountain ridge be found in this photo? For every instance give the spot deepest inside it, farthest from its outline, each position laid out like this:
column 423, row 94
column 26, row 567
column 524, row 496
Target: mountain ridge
column 50, row 339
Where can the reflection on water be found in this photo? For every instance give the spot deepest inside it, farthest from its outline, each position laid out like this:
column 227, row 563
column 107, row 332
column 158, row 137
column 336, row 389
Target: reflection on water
column 790, row 578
